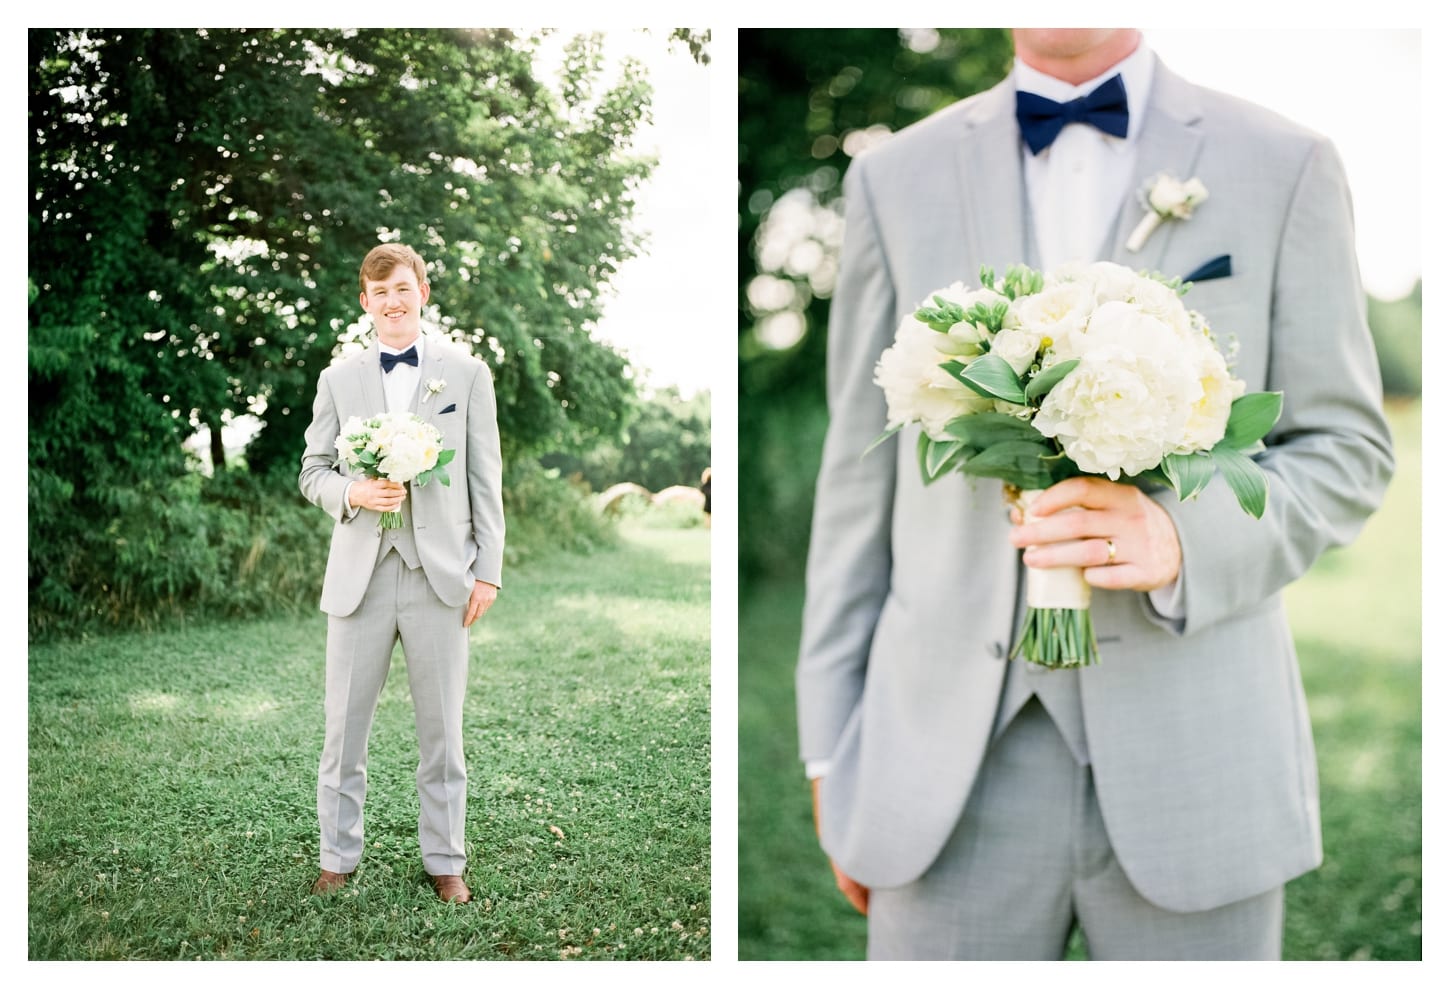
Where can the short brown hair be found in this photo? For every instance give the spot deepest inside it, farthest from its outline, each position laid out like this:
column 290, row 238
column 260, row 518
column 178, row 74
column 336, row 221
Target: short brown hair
column 384, row 258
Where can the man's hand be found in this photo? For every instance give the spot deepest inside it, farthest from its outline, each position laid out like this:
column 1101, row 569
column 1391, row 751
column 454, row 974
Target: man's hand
column 856, row 893
column 1122, row 539
column 479, row 601
column 377, row 493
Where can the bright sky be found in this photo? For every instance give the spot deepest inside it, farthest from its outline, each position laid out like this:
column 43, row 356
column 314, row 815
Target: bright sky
column 647, row 317
column 1361, row 88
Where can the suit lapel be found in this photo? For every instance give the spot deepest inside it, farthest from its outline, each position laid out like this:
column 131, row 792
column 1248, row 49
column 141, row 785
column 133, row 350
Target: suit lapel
column 989, row 168
column 1169, row 143
column 370, row 372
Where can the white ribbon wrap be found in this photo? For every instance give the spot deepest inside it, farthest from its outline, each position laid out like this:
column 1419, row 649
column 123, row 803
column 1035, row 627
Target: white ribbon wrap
column 1056, row 587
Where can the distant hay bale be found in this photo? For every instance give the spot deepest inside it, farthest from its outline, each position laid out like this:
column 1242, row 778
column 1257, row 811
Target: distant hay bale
column 680, row 494
column 612, row 500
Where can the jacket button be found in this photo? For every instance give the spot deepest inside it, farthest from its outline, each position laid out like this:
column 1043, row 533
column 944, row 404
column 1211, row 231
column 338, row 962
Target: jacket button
column 997, row 650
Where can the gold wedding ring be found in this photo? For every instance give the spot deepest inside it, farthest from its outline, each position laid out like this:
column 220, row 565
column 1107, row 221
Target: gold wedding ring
column 1112, row 550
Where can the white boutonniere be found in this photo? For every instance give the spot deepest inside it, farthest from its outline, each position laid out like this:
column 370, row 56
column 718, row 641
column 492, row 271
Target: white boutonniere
column 1165, row 198
column 434, row 386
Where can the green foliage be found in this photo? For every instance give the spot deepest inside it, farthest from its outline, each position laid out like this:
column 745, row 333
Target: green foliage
column 1396, row 328
column 172, row 783
column 805, row 97
column 225, row 546
column 666, row 443
column 545, row 515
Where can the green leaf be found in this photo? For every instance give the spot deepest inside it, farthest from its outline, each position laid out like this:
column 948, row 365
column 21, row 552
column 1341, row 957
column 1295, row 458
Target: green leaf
column 1043, row 382
column 986, row 428
column 993, row 377
column 1251, row 418
column 1247, row 479
column 1189, row 474
column 445, row 457
column 939, row 454
column 1018, row 462
column 883, row 438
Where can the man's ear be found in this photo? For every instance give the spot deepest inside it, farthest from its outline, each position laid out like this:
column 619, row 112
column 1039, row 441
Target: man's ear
column 423, row 291
column 362, row 300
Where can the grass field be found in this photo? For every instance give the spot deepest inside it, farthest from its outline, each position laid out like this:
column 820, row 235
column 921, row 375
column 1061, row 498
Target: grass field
column 1356, row 617
column 173, row 774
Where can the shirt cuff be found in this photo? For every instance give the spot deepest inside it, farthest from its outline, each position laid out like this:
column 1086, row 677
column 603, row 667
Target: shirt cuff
column 1168, row 601
column 816, row 768
column 349, row 511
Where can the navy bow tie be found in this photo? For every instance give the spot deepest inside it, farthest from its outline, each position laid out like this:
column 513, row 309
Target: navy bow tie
column 409, row 356
column 1041, row 119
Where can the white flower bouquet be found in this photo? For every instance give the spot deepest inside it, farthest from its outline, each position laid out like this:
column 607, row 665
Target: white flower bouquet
column 398, row 446
column 1089, row 370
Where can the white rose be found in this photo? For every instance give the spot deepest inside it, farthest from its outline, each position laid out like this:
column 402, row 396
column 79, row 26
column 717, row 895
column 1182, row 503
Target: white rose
column 1169, row 197
column 1017, row 347
column 916, row 387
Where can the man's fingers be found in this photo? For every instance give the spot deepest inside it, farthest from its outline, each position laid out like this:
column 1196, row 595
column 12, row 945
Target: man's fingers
column 856, row 894
column 1083, row 492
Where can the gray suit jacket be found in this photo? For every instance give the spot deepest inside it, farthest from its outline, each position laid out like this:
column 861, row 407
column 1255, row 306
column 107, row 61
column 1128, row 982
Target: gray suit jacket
column 458, row 529
column 1200, row 740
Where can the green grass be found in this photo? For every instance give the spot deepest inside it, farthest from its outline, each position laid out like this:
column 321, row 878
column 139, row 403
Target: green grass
column 1356, row 618
column 173, row 774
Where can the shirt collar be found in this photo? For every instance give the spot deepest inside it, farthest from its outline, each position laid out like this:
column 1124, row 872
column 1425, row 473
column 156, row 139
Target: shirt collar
column 384, row 348
column 1137, row 73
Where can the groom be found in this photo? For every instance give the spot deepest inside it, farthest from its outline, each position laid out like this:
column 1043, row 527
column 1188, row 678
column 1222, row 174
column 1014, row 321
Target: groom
column 424, row 583
column 981, row 808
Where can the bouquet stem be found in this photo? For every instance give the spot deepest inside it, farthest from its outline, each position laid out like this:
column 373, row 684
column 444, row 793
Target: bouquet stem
column 1058, row 629
column 390, row 520
column 1060, row 638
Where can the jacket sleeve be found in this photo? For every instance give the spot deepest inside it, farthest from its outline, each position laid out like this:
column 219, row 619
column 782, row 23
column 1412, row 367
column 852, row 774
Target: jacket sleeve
column 848, row 570
column 1329, row 458
column 320, row 480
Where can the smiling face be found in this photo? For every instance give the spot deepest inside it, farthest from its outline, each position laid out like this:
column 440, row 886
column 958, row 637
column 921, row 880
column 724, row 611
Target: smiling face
column 395, row 301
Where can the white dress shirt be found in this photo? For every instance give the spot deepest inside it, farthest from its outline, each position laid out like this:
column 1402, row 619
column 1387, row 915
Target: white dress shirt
column 401, row 383
column 1077, row 185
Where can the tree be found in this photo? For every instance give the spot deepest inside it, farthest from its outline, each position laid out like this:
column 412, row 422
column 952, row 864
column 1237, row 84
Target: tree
column 809, row 101
column 667, row 443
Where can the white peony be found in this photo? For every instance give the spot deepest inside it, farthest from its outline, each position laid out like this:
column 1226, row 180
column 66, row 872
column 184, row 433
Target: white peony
column 1129, row 401
column 916, row 387
column 1053, row 314
column 1208, row 418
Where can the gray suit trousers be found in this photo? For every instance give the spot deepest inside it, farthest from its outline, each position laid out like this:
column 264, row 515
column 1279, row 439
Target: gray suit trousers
column 398, row 604
column 1030, row 858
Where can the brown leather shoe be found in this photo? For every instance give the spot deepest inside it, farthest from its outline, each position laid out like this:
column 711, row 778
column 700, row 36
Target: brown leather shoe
column 329, row 882
column 450, row 889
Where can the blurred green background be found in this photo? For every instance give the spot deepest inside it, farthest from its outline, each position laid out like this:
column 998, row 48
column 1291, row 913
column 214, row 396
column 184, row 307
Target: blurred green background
column 809, row 100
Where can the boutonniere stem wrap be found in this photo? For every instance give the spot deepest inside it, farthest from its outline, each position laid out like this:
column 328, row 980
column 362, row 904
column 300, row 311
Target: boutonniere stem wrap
column 1165, row 198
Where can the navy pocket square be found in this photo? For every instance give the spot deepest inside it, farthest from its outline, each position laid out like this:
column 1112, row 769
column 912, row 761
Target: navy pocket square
column 449, row 409
column 1219, row 267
